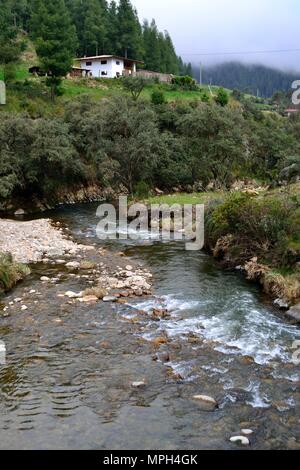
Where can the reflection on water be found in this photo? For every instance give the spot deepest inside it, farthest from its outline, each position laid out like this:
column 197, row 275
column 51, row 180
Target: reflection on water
column 67, row 382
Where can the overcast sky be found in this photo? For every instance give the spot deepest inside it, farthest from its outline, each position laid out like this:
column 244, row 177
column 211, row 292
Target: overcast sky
column 205, row 26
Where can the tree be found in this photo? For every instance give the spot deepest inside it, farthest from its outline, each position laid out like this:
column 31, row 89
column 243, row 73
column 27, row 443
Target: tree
column 10, row 47
column 55, row 40
column 94, row 28
column 135, row 85
column 130, row 42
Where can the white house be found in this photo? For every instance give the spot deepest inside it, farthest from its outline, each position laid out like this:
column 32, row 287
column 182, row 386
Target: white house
column 109, row 66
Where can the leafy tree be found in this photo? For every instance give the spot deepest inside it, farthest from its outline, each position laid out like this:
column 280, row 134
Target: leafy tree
column 55, row 40
column 134, row 85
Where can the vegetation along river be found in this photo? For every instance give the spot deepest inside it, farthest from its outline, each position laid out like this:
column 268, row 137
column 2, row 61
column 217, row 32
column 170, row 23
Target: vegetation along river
column 68, row 378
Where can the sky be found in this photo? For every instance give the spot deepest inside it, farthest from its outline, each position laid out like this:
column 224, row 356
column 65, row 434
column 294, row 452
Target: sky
column 219, row 26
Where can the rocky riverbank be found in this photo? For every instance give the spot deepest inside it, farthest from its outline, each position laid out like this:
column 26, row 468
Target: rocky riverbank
column 109, row 277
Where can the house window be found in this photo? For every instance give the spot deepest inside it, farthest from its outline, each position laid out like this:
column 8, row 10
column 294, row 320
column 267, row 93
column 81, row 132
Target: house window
column 103, row 62
column 118, row 62
column 88, row 64
column 104, row 73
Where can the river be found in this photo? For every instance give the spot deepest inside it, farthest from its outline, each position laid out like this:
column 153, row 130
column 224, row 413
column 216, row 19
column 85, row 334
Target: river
column 67, row 381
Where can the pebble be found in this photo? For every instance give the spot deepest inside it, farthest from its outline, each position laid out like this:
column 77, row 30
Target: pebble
column 109, row 298
column 240, row 440
column 89, row 298
column 73, row 265
column 247, row 432
column 45, row 279
column 24, row 307
column 73, row 295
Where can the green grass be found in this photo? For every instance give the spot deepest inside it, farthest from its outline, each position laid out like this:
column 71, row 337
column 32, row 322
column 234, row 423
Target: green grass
column 184, row 198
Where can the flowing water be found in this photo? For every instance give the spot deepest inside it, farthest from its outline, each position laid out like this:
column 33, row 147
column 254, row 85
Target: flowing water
column 67, row 381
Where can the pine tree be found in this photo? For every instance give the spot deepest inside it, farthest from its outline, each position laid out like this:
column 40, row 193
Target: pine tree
column 152, row 49
column 9, row 46
column 130, row 43
column 113, row 28
column 55, row 39
column 94, row 28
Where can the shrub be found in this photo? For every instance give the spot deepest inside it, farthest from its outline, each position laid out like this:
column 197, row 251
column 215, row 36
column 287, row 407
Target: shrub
column 10, row 272
column 158, row 97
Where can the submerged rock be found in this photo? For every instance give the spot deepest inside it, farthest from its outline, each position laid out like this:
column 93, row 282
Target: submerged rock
column 294, row 312
column 206, row 403
column 140, row 384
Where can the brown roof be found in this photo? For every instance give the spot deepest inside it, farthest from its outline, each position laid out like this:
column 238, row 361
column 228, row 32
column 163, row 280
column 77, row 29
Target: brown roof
column 110, row 57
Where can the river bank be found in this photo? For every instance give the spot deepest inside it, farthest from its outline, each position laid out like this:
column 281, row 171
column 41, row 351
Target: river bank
column 110, row 276
column 254, row 231
column 131, row 371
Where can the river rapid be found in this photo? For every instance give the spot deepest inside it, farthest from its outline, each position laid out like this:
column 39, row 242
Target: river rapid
column 68, row 378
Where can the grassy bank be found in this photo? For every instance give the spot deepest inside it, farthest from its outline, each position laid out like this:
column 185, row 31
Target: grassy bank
column 10, row 272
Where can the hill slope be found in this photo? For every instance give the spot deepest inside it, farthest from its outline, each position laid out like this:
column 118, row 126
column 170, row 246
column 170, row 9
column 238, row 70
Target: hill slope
column 248, row 78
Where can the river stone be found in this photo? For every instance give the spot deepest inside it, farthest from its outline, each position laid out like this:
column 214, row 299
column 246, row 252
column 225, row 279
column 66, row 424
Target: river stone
column 87, row 265
column 73, row 265
column 244, row 441
column 247, row 432
column 294, row 312
column 89, row 298
column 20, row 212
column 140, row 384
column 73, row 295
column 109, row 298
column 45, row 279
column 205, row 402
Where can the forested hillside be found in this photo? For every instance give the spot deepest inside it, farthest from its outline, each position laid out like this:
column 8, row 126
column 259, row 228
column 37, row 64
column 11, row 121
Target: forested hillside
column 101, row 27
column 248, row 78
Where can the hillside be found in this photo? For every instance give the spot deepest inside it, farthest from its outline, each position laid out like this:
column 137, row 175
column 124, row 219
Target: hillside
column 248, row 78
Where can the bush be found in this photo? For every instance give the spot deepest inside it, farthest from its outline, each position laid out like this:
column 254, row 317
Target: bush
column 158, row 97
column 10, row 272
column 185, row 83
column 222, row 97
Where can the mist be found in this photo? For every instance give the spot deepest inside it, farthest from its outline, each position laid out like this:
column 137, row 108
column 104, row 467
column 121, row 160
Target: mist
column 222, row 27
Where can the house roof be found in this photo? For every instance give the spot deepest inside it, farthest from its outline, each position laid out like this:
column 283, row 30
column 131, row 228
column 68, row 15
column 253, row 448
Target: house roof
column 110, row 57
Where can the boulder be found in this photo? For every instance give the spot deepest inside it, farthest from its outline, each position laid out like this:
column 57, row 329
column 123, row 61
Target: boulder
column 294, row 313
column 19, row 212
column 206, row 403
column 242, row 440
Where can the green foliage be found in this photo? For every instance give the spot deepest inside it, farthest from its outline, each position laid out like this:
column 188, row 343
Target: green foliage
column 55, row 39
column 141, row 190
column 158, row 97
column 267, row 225
column 185, row 83
column 134, row 85
column 10, row 272
column 10, row 47
column 222, row 97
